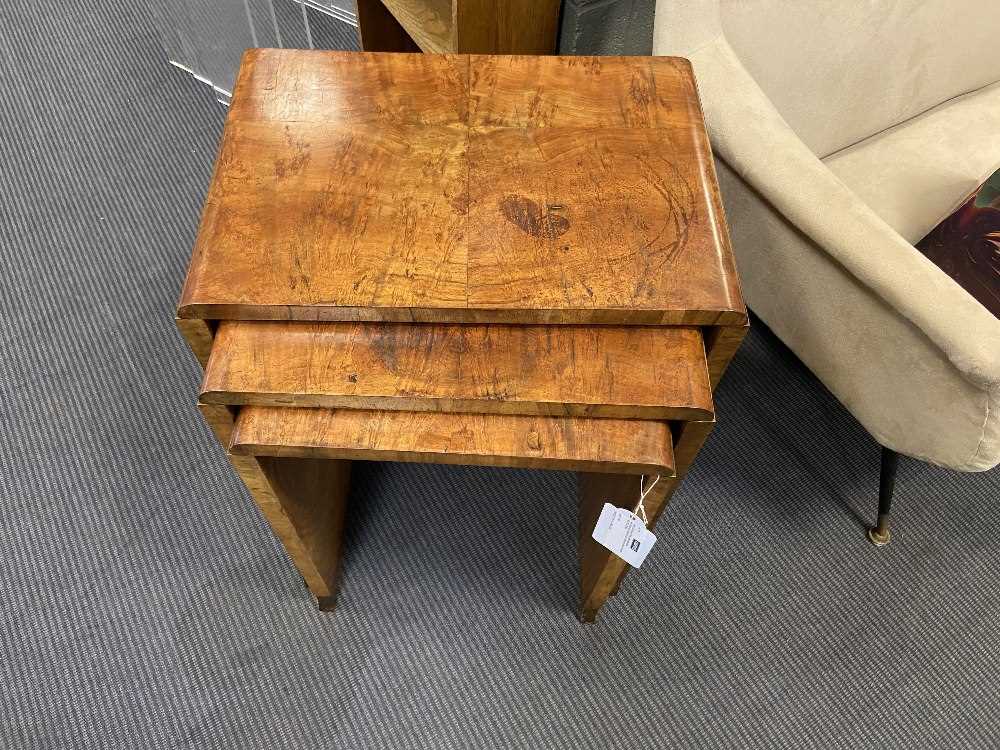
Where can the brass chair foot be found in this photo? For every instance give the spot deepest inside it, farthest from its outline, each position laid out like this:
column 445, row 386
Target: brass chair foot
column 879, row 533
column 878, row 536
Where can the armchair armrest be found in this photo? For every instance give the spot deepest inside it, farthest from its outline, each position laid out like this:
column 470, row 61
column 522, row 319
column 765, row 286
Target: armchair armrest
column 750, row 135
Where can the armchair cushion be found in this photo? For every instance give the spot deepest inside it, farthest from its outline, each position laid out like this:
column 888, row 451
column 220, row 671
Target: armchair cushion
column 915, row 174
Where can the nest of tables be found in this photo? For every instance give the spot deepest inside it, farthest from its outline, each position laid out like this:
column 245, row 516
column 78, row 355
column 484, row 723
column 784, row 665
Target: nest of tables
column 495, row 260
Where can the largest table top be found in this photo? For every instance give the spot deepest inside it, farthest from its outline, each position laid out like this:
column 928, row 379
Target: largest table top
column 464, row 188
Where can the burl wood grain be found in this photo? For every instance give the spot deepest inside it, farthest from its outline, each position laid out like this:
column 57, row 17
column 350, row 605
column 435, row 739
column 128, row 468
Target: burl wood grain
column 598, row 371
column 561, row 443
column 453, row 188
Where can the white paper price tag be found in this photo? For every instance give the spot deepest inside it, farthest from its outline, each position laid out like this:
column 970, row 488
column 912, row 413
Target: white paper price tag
column 624, row 533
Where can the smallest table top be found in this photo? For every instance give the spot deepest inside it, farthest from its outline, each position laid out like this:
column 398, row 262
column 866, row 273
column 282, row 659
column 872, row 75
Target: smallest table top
column 458, row 188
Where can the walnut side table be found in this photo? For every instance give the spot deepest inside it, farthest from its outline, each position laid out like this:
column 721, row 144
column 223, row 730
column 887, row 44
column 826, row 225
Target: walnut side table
column 497, row 260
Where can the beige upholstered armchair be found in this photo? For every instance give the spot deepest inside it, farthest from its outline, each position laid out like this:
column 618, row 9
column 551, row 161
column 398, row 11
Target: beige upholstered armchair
column 843, row 132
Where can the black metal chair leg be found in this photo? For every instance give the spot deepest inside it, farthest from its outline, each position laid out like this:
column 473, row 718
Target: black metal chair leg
column 879, row 534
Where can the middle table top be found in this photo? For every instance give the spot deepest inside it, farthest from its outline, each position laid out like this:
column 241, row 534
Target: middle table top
column 644, row 372
column 458, row 188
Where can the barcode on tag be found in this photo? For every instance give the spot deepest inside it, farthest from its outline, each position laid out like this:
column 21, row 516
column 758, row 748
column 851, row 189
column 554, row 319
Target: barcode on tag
column 624, row 533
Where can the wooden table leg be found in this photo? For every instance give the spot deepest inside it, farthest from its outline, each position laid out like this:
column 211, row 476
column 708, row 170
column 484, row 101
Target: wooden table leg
column 303, row 499
column 721, row 343
column 601, row 572
column 199, row 335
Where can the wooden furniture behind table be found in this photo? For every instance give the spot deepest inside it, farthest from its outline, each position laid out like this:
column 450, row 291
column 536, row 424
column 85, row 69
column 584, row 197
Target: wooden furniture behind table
column 505, row 261
column 524, row 27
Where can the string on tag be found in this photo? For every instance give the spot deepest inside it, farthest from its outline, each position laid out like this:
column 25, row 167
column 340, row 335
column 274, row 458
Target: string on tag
column 640, row 509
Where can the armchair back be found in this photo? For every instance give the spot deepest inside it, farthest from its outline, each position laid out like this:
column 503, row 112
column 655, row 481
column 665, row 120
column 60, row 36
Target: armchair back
column 839, row 72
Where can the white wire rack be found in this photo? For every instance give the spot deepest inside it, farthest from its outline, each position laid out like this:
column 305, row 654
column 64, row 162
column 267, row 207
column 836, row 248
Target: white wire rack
column 207, row 37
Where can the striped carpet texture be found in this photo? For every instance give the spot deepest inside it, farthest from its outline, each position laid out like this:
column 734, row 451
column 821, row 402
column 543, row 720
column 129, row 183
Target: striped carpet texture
column 145, row 603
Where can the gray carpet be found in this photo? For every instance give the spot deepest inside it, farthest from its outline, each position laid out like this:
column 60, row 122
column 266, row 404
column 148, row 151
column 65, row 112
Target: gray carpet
column 146, row 603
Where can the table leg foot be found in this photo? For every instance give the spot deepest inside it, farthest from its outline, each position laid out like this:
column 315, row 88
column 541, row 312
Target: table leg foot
column 305, row 500
column 327, row 603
